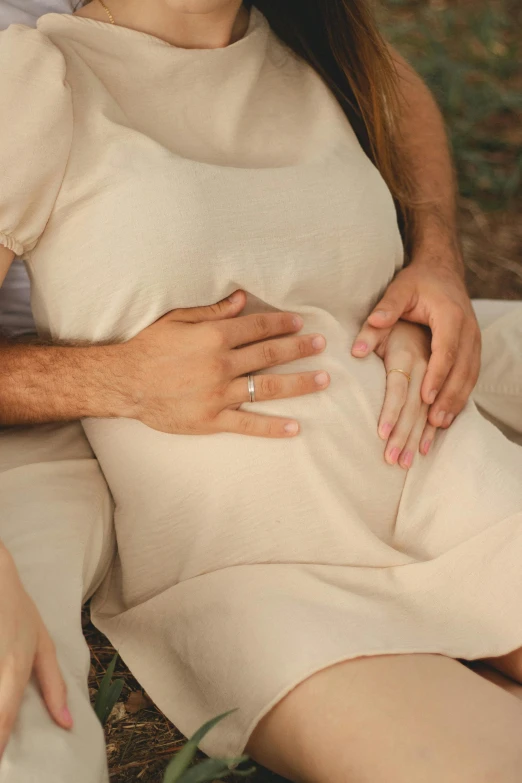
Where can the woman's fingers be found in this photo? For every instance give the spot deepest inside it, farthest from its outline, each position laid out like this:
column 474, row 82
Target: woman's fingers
column 244, row 423
column 274, row 387
column 272, row 352
column 412, row 444
column 394, row 400
column 427, row 438
column 407, row 419
column 52, row 684
column 14, row 675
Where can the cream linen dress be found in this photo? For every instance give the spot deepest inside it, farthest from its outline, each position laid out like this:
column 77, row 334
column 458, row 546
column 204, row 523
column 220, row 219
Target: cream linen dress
column 137, row 177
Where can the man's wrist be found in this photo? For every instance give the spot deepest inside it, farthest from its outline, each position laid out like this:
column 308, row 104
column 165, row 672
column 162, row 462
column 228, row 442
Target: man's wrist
column 437, row 244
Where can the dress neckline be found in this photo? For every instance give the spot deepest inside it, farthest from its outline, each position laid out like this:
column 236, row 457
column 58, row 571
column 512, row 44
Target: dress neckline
column 256, row 23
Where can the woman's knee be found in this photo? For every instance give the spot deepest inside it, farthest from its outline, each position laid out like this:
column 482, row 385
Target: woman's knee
column 395, row 719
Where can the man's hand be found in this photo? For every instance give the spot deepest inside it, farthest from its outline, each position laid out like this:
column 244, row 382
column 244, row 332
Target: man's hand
column 436, row 295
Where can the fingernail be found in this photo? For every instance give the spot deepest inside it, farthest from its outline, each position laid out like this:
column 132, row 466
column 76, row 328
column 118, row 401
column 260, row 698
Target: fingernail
column 234, row 297
column 426, row 446
column 297, row 321
column 66, row 716
column 440, row 418
column 449, row 418
column 385, row 430
column 431, row 396
column 394, row 455
column 360, row 347
column 407, row 459
column 318, row 342
column 291, row 427
column 380, row 313
column 321, row 378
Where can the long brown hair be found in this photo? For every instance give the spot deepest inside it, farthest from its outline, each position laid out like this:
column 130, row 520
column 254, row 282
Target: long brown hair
column 341, row 41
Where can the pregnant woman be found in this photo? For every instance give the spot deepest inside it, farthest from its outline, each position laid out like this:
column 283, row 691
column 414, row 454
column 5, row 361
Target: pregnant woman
column 302, row 579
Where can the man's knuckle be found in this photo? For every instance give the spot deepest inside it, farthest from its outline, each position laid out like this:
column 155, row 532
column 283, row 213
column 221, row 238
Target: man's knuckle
column 262, row 326
column 246, row 424
column 270, row 353
column 216, row 369
column 304, row 348
column 272, row 428
column 216, row 336
column 270, row 386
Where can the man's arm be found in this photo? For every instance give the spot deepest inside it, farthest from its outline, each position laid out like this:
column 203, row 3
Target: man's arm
column 425, row 148
column 431, row 290
column 40, row 383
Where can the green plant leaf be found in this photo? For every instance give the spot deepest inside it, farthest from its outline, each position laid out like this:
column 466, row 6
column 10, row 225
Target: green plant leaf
column 112, row 697
column 108, row 693
column 212, row 769
column 185, row 756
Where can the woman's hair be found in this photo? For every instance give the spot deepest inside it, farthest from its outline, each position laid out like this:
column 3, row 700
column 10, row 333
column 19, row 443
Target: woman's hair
column 341, row 41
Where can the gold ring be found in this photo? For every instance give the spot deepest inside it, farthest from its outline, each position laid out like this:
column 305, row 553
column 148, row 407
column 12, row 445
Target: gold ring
column 396, row 369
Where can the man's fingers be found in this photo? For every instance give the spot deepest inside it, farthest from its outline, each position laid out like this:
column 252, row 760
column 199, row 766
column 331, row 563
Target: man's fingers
column 243, row 423
column 459, row 383
column 277, row 387
column 445, row 350
column 368, row 339
column 395, row 302
column 13, row 680
column 270, row 353
column 52, row 684
column 225, row 308
column 258, row 326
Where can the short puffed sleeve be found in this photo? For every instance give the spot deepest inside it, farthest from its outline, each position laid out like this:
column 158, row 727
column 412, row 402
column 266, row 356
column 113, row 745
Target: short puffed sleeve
column 35, row 134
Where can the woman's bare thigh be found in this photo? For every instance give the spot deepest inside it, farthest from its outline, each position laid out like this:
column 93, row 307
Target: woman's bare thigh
column 393, row 719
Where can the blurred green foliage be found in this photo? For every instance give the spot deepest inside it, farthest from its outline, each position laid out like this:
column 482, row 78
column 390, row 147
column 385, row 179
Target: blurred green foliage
column 470, row 55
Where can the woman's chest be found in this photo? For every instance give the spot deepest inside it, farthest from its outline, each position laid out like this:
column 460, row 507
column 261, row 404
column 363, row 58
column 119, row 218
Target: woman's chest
column 141, row 227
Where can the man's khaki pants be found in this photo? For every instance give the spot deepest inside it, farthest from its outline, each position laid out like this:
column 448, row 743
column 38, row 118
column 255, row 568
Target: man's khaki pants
column 56, row 520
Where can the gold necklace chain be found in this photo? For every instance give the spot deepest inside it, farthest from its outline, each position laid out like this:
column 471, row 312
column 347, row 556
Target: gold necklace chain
column 111, row 17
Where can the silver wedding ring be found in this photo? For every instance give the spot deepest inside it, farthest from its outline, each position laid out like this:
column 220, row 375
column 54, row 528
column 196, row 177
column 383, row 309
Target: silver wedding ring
column 251, row 388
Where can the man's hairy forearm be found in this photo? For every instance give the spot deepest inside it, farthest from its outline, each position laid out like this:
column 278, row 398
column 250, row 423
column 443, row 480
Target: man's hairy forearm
column 426, row 151
column 43, row 383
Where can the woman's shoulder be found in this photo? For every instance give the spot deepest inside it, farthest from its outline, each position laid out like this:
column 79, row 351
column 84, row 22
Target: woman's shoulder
column 30, row 55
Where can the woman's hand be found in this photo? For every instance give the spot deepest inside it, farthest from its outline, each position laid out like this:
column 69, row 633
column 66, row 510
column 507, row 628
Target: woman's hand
column 186, row 373
column 403, row 420
column 432, row 292
column 25, row 646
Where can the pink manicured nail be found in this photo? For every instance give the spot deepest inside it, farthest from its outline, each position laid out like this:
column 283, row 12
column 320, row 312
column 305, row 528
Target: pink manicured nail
column 431, row 396
column 407, row 459
column 66, row 716
column 386, row 429
column 380, row 313
column 426, row 446
column 360, row 347
column 394, row 454
column 449, row 418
